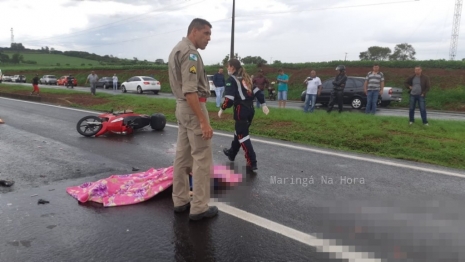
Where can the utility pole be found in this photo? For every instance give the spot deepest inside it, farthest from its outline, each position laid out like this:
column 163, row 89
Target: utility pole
column 345, row 59
column 455, row 29
column 231, row 56
column 12, row 36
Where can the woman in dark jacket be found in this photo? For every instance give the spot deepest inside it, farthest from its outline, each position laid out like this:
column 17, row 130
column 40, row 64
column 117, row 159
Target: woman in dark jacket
column 240, row 94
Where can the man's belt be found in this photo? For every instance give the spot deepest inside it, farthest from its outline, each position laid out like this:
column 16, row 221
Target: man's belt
column 202, row 99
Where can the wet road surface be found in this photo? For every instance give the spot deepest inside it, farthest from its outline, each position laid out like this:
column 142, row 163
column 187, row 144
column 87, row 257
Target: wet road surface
column 384, row 209
column 432, row 114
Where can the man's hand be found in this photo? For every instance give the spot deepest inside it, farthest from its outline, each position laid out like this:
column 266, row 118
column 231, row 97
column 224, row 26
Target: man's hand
column 220, row 113
column 207, row 131
column 193, row 101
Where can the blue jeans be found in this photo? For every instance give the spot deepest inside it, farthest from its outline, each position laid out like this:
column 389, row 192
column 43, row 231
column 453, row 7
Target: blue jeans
column 414, row 99
column 219, row 95
column 115, row 85
column 372, row 101
column 282, row 95
column 309, row 98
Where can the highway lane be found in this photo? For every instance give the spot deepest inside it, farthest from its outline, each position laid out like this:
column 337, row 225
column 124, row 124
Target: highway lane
column 387, row 208
column 432, row 114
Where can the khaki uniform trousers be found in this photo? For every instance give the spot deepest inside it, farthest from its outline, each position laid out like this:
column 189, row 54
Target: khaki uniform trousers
column 193, row 154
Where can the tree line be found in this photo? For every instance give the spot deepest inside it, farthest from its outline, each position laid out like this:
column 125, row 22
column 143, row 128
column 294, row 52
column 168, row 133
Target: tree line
column 402, row 52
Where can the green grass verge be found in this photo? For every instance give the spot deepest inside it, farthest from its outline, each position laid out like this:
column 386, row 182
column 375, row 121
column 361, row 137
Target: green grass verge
column 441, row 143
column 52, row 60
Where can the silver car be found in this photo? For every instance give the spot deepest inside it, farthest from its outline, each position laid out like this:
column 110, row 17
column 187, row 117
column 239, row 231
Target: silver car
column 48, row 80
column 391, row 94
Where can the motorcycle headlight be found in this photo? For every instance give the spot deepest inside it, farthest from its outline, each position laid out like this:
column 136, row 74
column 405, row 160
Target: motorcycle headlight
column 117, row 120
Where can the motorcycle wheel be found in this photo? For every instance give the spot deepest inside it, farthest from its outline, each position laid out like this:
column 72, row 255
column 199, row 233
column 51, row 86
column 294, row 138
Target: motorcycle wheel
column 158, row 121
column 83, row 126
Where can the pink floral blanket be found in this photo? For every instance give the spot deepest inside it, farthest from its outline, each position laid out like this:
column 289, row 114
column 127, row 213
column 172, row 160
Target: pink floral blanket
column 128, row 189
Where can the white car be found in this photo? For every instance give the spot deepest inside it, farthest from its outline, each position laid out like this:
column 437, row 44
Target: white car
column 212, row 86
column 141, row 84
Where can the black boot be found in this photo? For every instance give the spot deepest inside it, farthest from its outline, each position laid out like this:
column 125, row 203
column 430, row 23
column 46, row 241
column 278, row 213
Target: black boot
column 228, row 153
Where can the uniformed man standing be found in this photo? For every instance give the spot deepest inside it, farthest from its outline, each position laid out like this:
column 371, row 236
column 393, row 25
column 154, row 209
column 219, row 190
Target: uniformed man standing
column 189, row 84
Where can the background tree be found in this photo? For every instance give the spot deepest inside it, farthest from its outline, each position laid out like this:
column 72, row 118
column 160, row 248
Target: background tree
column 403, row 52
column 253, row 60
column 226, row 58
column 17, row 58
column 375, row 53
column 4, row 58
column 17, row 46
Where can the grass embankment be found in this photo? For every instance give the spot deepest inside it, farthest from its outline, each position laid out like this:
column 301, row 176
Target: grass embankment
column 441, row 143
column 51, row 60
column 447, row 93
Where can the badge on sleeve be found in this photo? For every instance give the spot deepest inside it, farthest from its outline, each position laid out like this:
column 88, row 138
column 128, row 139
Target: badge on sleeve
column 193, row 57
column 193, row 70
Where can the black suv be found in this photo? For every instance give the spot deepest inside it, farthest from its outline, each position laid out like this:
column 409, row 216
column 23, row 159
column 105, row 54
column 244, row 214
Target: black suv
column 354, row 93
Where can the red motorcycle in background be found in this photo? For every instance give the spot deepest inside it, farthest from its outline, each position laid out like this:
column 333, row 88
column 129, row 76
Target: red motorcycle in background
column 119, row 122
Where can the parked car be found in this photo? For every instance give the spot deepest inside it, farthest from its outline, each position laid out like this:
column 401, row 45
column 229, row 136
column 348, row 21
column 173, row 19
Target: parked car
column 141, row 84
column 212, row 86
column 62, row 81
column 354, row 94
column 106, row 82
column 391, row 94
column 48, row 80
column 18, row 79
column 7, row 78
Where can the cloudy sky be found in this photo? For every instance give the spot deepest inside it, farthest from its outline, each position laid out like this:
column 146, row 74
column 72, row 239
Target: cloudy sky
column 286, row 30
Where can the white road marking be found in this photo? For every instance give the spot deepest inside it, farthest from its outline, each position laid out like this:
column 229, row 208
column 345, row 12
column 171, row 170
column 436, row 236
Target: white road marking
column 322, row 245
column 302, row 148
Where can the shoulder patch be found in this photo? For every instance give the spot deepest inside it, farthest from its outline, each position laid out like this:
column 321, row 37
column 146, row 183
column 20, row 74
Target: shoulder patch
column 193, row 57
column 228, row 84
column 193, row 70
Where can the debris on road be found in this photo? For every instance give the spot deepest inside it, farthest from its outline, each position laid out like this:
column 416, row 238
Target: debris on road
column 135, row 169
column 34, row 195
column 43, row 202
column 6, row 183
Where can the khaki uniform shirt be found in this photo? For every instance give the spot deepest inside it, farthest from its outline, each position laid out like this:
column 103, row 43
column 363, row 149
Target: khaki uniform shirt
column 186, row 71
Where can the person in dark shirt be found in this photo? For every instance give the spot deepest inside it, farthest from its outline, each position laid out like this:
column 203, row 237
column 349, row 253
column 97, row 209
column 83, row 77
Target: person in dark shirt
column 261, row 82
column 337, row 94
column 219, row 82
column 35, row 85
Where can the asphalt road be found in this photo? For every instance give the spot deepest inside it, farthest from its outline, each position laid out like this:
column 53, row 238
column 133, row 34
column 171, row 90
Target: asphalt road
column 378, row 209
column 432, row 114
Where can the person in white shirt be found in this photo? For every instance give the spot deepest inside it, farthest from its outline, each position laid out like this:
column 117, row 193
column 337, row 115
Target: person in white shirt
column 115, row 82
column 313, row 89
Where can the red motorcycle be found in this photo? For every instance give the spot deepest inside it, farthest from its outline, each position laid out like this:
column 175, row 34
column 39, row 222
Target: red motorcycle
column 119, row 122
